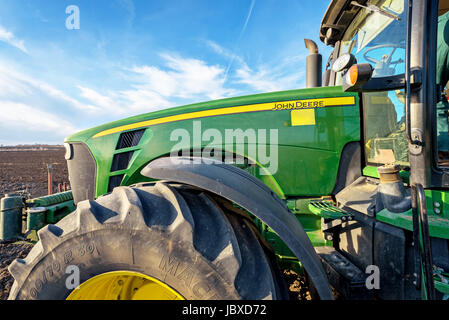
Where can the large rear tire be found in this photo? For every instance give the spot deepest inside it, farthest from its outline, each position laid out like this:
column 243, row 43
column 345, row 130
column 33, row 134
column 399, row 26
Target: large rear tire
column 172, row 235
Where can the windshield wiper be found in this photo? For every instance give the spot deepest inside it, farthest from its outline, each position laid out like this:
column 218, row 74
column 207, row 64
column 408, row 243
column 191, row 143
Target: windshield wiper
column 373, row 8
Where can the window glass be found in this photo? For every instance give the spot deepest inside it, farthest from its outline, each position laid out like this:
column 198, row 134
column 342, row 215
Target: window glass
column 385, row 140
column 378, row 39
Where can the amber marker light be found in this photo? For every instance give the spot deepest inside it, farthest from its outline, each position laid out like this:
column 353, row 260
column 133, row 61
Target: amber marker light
column 352, row 74
column 356, row 76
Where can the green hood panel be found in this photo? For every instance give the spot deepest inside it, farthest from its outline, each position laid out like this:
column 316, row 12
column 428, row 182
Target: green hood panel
column 310, row 93
column 312, row 127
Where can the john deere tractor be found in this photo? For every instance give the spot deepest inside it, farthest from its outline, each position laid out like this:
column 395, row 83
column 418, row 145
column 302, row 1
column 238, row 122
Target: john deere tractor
column 345, row 181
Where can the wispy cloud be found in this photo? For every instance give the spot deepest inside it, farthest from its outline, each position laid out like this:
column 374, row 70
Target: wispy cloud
column 282, row 75
column 100, row 102
column 181, row 80
column 26, row 124
column 242, row 31
column 10, row 38
column 19, row 114
column 129, row 6
column 178, row 80
column 248, row 16
column 19, row 86
column 265, row 78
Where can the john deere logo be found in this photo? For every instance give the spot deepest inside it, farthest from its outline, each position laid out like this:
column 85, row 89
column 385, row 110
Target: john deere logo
column 314, row 103
column 304, row 104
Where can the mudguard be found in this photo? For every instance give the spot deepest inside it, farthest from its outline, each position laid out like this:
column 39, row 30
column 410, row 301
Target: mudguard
column 248, row 192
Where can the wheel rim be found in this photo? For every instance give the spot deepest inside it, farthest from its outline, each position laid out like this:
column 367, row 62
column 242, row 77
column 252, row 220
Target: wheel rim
column 124, row 285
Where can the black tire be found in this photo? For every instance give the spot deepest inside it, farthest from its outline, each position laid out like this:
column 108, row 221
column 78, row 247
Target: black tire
column 176, row 234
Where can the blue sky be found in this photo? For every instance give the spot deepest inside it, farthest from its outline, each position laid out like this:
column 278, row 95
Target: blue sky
column 134, row 56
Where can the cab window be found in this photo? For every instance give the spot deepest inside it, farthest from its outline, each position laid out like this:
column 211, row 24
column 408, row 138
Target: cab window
column 379, row 39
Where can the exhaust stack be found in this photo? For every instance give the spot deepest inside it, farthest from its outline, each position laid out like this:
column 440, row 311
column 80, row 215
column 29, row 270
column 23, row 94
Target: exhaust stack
column 314, row 63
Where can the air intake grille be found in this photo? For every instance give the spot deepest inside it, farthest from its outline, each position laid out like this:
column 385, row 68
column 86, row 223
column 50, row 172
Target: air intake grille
column 115, row 181
column 121, row 161
column 82, row 173
column 129, row 139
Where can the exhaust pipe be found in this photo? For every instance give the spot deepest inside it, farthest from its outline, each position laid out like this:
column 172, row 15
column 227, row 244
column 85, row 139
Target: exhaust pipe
column 314, row 63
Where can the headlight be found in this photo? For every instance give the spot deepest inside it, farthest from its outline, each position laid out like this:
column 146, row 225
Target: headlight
column 68, row 151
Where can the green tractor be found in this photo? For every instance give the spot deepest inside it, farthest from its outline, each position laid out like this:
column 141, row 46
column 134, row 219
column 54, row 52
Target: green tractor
column 345, row 181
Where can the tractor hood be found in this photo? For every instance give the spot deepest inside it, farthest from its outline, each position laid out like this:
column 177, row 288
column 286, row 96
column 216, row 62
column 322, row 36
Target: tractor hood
column 114, row 153
column 188, row 112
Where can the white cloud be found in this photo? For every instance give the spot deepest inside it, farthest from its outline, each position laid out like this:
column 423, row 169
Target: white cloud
column 101, row 102
column 179, row 80
column 259, row 80
column 182, row 80
column 185, row 78
column 8, row 37
column 283, row 75
column 32, row 110
column 15, row 114
column 223, row 51
column 123, row 103
column 266, row 78
column 14, row 84
column 144, row 100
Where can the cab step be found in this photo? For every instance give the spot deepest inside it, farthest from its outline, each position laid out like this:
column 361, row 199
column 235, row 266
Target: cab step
column 326, row 209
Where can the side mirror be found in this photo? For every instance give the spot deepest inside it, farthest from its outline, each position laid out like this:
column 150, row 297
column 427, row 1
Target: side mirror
column 356, row 76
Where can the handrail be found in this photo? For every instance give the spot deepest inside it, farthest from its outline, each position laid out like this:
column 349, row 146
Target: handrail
column 427, row 250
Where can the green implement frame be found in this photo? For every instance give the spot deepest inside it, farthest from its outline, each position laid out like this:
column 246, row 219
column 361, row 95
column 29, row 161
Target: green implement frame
column 37, row 213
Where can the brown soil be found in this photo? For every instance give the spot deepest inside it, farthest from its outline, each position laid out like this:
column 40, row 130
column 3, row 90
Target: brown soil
column 26, row 171
column 9, row 252
column 297, row 285
column 23, row 170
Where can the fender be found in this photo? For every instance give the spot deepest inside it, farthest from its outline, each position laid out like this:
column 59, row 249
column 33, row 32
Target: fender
column 240, row 187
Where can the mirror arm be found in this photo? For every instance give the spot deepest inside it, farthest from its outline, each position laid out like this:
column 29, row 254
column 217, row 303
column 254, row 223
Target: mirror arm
column 384, row 83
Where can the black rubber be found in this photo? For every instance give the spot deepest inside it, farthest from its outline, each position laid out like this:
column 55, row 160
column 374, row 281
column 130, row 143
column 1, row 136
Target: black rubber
column 246, row 191
column 174, row 233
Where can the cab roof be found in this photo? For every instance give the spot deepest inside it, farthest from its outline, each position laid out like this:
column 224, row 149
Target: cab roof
column 337, row 18
column 340, row 13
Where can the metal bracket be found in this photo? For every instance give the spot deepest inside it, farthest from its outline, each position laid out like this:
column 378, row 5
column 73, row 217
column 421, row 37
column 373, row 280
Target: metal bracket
column 417, row 143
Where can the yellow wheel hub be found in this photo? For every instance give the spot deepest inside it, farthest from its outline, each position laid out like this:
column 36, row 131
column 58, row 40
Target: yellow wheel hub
column 124, row 285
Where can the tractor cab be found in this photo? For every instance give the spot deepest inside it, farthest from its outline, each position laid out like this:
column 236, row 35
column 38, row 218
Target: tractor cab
column 379, row 34
column 377, row 38
column 393, row 53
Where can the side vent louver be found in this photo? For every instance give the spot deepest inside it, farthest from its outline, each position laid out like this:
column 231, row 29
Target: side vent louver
column 121, row 161
column 115, row 181
column 129, row 139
